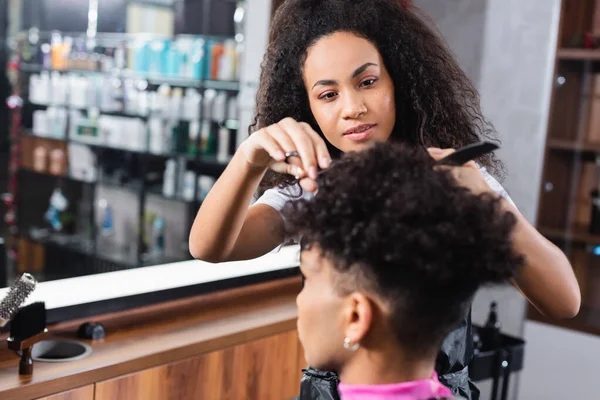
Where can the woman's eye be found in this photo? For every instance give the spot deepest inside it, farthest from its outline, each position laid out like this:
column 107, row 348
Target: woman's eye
column 368, row 82
column 328, row 96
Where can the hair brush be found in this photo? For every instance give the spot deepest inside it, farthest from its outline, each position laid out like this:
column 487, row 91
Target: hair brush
column 17, row 294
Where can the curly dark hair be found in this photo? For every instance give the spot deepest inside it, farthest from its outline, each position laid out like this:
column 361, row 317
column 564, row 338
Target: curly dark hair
column 394, row 225
column 436, row 104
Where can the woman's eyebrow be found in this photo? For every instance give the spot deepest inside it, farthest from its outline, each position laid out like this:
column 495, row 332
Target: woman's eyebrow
column 362, row 69
column 357, row 71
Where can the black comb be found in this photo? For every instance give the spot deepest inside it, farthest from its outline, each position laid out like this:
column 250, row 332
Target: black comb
column 460, row 157
column 468, row 153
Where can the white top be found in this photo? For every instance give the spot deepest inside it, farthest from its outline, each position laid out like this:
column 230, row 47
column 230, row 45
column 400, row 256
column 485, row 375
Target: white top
column 278, row 197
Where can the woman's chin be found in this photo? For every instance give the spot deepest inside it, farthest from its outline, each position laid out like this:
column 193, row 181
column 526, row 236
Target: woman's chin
column 357, row 146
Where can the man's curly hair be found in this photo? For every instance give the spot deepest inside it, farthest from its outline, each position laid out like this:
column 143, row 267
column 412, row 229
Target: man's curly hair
column 394, row 225
column 436, row 104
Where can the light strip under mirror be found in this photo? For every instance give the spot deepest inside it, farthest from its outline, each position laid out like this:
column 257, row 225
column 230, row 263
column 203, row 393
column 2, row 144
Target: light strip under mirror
column 77, row 291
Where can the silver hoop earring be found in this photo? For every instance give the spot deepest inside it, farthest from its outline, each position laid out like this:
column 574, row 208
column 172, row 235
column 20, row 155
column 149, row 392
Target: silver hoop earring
column 347, row 346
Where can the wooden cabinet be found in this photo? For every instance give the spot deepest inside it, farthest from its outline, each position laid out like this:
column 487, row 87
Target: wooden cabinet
column 571, row 172
column 239, row 343
column 262, row 369
column 82, row 393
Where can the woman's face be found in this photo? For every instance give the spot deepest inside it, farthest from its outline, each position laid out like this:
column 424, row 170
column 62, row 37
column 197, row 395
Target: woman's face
column 320, row 314
column 350, row 92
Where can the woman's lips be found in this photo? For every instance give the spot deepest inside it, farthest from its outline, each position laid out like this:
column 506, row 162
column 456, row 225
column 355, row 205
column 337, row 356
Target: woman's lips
column 360, row 133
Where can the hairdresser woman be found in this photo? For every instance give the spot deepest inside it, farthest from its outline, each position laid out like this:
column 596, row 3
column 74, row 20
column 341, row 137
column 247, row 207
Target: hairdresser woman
column 338, row 76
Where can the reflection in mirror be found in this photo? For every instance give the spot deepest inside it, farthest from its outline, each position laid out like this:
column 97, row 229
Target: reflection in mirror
column 124, row 114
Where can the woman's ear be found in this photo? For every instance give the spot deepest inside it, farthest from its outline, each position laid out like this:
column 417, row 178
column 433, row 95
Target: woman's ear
column 358, row 314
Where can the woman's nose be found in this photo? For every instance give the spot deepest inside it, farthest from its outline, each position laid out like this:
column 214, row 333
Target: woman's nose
column 354, row 106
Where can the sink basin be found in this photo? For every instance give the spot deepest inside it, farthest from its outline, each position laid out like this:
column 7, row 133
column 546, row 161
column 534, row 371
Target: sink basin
column 60, row 350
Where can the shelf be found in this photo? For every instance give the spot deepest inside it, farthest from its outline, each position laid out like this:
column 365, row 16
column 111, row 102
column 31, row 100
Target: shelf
column 578, row 234
column 157, row 191
column 199, row 159
column 84, row 246
column 81, row 245
column 48, row 174
column 133, row 186
column 579, row 54
column 153, row 79
column 86, row 109
column 31, row 134
column 150, row 260
column 104, row 146
column 569, row 145
column 232, row 86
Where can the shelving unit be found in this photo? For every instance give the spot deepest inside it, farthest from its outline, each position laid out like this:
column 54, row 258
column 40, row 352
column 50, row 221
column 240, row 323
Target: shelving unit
column 572, row 158
column 83, row 248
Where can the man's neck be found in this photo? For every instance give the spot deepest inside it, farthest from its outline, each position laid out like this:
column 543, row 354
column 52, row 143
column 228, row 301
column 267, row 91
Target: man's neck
column 384, row 367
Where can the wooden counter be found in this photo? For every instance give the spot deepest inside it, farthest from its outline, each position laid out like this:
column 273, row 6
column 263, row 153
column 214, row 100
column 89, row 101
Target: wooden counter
column 236, row 344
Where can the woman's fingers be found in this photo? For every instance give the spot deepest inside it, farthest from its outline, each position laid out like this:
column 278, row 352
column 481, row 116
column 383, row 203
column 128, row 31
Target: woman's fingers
column 323, row 156
column 271, row 146
column 284, row 141
column 308, row 184
column 303, row 143
column 289, row 136
column 437, row 154
column 287, row 168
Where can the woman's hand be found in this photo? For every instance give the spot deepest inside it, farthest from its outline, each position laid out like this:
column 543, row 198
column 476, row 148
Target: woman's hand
column 267, row 148
column 467, row 175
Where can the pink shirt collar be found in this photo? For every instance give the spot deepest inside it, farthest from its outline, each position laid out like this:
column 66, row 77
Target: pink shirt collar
column 415, row 390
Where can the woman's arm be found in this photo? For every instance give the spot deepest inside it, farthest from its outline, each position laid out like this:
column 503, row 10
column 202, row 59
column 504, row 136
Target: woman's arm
column 547, row 279
column 225, row 228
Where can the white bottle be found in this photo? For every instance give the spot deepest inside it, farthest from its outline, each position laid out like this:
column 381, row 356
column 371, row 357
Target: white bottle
column 143, row 103
column 40, row 123
column 57, row 89
column 61, row 123
column 205, row 129
column 164, row 99
column 35, row 89
column 169, row 178
column 176, row 103
column 78, row 92
column 158, row 142
column 223, row 151
column 205, row 183
column 232, row 108
column 43, row 94
column 209, row 97
column 219, row 107
column 191, row 104
column 188, row 185
column 193, row 137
